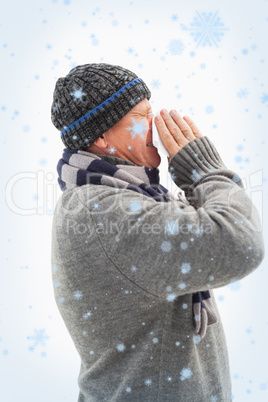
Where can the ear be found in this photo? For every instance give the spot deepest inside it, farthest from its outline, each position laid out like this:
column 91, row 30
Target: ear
column 101, row 142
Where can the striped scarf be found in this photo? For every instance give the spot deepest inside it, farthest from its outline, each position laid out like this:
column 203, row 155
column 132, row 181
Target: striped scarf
column 77, row 168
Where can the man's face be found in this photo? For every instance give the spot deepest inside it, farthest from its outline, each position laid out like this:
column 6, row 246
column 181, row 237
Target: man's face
column 127, row 139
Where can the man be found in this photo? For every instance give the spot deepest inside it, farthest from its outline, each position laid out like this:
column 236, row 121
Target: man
column 133, row 266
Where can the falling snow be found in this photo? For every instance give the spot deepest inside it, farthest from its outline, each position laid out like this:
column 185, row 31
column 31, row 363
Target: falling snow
column 138, row 128
column 166, row 246
column 155, row 84
column 135, row 206
column 148, row 381
column 77, row 93
column 120, row 347
column 175, row 47
column 39, row 338
column 185, row 268
column 207, row 29
column 186, row 373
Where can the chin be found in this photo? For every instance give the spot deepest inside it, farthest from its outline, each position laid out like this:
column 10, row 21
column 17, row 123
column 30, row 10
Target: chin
column 156, row 161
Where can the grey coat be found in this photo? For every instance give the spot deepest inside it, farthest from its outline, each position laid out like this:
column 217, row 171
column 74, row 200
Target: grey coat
column 123, row 294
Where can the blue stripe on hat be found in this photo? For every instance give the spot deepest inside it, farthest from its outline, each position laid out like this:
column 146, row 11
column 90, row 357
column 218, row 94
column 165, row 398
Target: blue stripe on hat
column 101, row 105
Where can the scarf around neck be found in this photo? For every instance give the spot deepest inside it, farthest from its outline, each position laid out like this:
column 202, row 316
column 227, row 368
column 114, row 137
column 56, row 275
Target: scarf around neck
column 77, row 168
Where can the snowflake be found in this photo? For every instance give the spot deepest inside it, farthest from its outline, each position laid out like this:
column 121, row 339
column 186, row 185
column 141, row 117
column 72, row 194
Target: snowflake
column 195, row 176
column 238, row 159
column 236, row 178
column 185, row 268
column 166, row 246
column 240, row 147
column 120, row 347
column 207, row 29
column 243, row 93
column 77, row 94
column 133, row 268
column 184, row 245
column 169, row 378
column 174, row 17
column 182, row 285
column 171, row 297
column 78, row 295
column 185, row 373
column 137, row 128
column 39, row 338
column 155, row 340
column 196, row 338
column 135, row 206
column 155, row 84
column 264, row 98
column 128, row 389
column 176, row 47
column 112, row 150
column 130, row 50
column 148, row 381
column 213, row 398
column 86, row 315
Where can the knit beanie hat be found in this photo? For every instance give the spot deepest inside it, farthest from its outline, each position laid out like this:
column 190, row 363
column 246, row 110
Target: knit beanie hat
column 91, row 99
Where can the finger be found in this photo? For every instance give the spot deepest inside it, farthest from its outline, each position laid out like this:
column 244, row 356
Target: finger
column 168, row 140
column 184, row 127
column 193, row 126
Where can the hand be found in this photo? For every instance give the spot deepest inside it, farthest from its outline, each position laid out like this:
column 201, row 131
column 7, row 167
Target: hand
column 176, row 131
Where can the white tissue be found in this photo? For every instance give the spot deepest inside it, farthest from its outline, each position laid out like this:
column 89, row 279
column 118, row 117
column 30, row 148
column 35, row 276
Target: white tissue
column 157, row 142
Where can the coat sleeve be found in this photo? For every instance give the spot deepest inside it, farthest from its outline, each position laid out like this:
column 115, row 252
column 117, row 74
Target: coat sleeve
column 171, row 248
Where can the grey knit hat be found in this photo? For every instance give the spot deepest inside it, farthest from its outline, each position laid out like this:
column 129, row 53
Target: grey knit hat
column 91, row 99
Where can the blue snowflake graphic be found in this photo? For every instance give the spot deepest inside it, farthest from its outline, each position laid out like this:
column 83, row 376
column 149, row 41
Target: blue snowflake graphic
column 171, row 297
column 120, row 347
column 39, row 338
column 243, row 93
column 155, row 84
column 195, row 176
column 112, row 150
column 185, row 373
column 130, row 50
column 135, row 206
column 207, row 29
column 148, row 381
column 137, row 128
column 174, row 17
column 78, row 295
column 166, row 246
column 77, row 94
column 264, row 99
column 185, row 268
column 176, row 47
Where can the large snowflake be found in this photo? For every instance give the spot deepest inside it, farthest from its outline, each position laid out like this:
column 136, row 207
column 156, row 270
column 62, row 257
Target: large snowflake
column 137, row 128
column 39, row 338
column 206, row 28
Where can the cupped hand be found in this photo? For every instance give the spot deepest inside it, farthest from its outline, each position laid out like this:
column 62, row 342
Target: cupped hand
column 175, row 131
